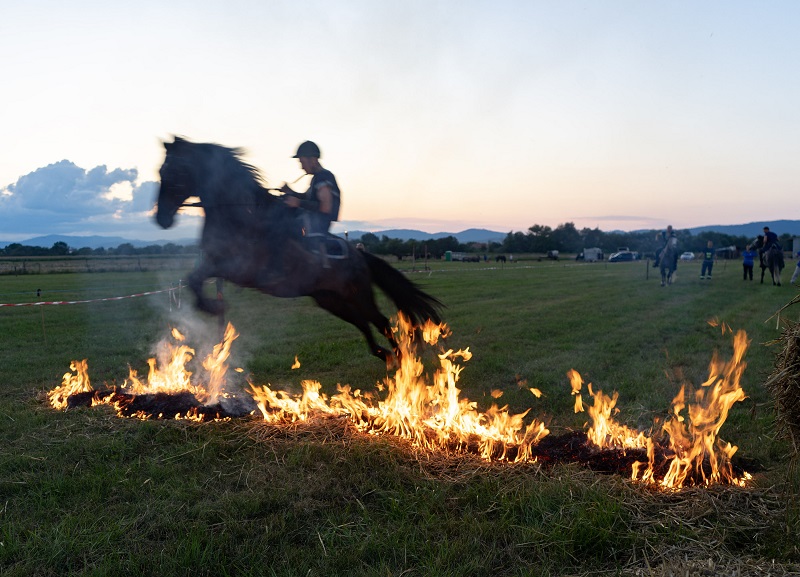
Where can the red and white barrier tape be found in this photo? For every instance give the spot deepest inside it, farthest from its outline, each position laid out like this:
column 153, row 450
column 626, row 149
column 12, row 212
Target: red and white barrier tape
column 43, row 303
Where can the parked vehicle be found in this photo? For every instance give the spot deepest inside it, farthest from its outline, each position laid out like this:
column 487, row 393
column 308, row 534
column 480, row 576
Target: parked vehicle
column 590, row 255
column 687, row 256
column 624, row 256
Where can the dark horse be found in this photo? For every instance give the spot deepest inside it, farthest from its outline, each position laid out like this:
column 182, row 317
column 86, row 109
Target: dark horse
column 243, row 221
column 771, row 259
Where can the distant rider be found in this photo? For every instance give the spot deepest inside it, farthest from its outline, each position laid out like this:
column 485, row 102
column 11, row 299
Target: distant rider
column 668, row 238
column 770, row 240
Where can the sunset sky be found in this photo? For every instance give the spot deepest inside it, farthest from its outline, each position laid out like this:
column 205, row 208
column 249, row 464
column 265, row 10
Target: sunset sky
column 434, row 115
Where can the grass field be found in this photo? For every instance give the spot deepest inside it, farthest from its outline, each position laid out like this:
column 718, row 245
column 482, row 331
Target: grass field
column 85, row 493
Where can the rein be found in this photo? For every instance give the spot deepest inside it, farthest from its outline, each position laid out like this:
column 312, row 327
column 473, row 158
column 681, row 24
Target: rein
column 268, row 189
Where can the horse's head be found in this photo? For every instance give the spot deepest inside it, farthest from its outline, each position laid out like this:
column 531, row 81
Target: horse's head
column 177, row 182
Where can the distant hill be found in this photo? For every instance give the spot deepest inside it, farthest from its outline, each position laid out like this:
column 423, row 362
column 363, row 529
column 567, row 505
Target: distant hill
column 752, row 229
column 93, row 242
column 465, row 236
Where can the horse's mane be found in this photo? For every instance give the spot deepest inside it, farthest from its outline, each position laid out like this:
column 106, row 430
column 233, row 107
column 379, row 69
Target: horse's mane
column 227, row 163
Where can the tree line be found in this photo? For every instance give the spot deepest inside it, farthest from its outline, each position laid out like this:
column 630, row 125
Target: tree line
column 565, row 238
column 61, row 249
column 538, row 239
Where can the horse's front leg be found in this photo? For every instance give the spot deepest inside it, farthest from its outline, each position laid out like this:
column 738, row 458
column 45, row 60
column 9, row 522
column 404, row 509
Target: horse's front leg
column 195, row 282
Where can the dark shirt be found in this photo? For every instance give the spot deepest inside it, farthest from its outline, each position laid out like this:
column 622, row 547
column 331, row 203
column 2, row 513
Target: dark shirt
column 770, row 239
column 320, row 222
column 708, row 254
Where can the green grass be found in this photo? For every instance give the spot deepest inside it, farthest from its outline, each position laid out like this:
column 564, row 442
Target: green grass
column 85, row 493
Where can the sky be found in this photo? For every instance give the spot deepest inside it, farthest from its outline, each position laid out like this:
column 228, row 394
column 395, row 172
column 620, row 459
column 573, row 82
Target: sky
column 433, row 115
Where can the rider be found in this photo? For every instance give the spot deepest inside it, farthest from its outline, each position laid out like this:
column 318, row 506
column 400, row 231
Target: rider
column 669, row 238
column 320, row 203
column 319, row 206
column 770, row 240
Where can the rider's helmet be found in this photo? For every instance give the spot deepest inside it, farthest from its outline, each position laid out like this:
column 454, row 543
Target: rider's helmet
column 309, row 149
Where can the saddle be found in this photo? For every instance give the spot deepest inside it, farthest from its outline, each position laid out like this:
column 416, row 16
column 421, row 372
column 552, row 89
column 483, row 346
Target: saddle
column 325, row 245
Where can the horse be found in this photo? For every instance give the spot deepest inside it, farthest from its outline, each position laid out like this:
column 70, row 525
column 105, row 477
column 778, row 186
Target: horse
column 771, row 259
column 668, row 260
column 254, row 240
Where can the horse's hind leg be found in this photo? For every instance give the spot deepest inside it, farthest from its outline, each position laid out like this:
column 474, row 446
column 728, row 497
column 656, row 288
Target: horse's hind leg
column 334, row 304
column 195, row 282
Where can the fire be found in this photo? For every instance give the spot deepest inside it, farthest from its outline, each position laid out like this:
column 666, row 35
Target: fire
column 695, row 452
column 71, row 384
column 168, row 375
column 430, row 411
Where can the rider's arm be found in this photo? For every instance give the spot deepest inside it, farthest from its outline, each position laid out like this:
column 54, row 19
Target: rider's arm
column 323, row 203
column 325, row 196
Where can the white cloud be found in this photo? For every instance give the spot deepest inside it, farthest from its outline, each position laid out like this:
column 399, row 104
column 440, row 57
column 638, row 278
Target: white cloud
column 63, row 198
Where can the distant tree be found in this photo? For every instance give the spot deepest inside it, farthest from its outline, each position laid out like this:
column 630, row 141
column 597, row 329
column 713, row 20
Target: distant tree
column 84, row 251
column 59, row 248
column 125, row 249
column 151, row 249
column 566, row 238
column 540, row 238
column 370, row 242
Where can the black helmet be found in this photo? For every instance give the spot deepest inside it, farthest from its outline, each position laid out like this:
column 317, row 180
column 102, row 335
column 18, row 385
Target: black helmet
column 308, row 148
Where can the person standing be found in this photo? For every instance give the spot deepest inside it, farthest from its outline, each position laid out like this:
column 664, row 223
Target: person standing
column 708, row 261
column 796, row 269
column 748, row 258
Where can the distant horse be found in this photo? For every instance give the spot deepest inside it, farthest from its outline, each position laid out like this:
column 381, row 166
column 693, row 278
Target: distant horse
column 501, row 258
column 668, row 259
column 771, row 259
column 243, row 222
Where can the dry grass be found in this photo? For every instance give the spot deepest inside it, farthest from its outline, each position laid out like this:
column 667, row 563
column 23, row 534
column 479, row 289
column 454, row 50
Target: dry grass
column 784, row 382
column 704, row 517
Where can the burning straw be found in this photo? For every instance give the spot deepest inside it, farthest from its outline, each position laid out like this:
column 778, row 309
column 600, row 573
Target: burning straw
column 430, row 412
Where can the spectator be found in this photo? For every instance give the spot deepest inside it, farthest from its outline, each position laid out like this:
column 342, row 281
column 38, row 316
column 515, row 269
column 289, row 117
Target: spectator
column 748, row 258
column 796, row 269
column 708, row 261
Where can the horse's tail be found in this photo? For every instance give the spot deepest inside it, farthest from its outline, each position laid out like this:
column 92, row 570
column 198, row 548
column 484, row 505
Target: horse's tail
column 412, row 301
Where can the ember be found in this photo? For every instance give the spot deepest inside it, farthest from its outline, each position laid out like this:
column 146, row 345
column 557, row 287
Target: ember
column 430, row 412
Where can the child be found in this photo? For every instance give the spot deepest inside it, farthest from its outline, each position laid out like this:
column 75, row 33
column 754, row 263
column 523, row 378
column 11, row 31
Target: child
column 708, row 261
column 748, row 257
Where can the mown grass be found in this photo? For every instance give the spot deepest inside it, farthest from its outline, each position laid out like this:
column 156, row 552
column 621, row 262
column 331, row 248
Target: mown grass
column 85, row 493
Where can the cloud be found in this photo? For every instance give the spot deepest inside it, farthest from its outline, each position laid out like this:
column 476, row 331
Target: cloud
column 64, row 198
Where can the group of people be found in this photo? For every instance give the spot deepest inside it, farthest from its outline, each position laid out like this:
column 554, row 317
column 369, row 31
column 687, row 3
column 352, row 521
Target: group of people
column 764, row 243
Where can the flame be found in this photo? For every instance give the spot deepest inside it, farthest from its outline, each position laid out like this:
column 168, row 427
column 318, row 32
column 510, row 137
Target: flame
column 697, row 453
column 168, row 374
column 71, row 384
column 430, row 413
